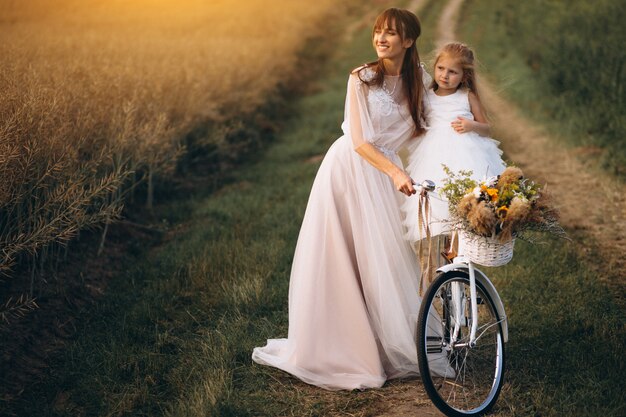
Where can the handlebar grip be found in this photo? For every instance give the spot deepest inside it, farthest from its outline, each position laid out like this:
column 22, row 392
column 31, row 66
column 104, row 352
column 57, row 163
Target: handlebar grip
column 427, row 185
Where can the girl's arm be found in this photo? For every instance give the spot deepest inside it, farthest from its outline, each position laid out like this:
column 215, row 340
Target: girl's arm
column 367, row 151
column 478, row 125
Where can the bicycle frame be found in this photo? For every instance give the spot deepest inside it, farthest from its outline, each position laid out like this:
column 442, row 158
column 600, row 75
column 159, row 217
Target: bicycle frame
column 475, row 274
column 462, row 264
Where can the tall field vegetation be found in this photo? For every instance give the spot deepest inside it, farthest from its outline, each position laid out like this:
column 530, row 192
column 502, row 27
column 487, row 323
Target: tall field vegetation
column 99, row 97
column 564, row 61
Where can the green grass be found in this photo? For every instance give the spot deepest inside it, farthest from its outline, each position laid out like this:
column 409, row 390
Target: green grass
column 562, row 63
column 173, row 336
column 566, row 339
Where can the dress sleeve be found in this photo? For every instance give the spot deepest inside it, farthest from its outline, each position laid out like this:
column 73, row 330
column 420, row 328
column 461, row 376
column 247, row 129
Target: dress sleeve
column 426, row 78
column 357, row 121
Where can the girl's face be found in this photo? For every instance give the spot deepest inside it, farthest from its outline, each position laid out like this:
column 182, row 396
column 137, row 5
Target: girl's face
column 448, row 74
column 388, row 43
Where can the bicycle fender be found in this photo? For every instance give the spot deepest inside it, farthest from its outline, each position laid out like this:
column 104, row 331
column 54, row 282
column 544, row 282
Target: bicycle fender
column 489, row 287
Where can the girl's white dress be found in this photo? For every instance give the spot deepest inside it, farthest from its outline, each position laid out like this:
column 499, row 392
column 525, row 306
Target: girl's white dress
column 353, row 291
column 443, row 145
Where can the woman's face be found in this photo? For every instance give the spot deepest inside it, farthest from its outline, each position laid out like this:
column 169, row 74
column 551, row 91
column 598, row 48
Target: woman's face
column 448, row 74
column 388, row 43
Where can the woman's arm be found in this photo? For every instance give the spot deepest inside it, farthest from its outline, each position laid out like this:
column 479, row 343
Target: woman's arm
column 367, row 151
column 401, row 179
column 479, row 124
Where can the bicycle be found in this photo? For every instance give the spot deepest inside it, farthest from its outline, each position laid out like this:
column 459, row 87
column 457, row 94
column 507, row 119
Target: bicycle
column 462, row 330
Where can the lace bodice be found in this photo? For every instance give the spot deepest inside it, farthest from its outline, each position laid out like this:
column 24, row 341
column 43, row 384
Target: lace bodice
column 387, row 98
column 384, row 112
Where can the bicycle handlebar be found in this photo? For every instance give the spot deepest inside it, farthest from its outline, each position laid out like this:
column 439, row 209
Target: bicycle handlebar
column 426, row 185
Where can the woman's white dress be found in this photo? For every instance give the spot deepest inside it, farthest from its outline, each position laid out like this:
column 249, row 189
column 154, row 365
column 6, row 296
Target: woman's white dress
column 443, row 145
column 353, row 295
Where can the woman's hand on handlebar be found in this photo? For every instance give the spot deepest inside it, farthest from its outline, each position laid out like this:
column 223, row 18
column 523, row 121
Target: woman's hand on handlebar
column 403, row 183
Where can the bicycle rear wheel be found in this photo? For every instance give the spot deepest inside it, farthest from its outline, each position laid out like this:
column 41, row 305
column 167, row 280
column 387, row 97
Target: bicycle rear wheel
column 461, row 380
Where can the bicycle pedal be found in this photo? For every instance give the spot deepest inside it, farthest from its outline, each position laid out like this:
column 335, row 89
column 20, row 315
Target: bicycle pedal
column 434, row 344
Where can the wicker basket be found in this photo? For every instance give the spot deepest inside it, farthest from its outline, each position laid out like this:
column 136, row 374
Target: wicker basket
column 486, row 251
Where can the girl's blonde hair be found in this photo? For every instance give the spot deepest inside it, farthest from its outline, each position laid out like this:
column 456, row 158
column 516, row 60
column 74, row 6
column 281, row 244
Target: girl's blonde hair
column 468, row 61
column 465, row 57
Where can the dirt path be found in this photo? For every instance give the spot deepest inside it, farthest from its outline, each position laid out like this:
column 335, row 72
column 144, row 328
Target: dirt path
column 592, row 204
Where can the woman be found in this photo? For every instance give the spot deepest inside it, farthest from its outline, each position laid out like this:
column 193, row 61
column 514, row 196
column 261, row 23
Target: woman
column 353, row 299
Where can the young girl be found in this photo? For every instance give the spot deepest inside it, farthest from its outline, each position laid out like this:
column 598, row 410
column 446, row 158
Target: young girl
column 353, row 299
column 457, row 135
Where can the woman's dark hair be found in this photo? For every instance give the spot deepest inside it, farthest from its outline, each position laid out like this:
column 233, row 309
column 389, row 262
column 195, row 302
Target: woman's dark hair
column 408, row 27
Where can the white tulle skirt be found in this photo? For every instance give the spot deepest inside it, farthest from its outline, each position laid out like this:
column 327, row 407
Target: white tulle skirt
column 353, row 295
column 459, row 151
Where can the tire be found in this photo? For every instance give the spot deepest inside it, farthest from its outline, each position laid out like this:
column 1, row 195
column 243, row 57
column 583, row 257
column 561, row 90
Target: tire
column 460, row 380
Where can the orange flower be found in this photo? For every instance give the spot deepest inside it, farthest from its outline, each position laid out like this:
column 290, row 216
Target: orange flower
column 502, row 211
column 493, row 193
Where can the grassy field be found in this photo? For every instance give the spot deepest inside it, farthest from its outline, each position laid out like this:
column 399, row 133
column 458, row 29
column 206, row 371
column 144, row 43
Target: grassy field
column 562, row 63
column 173, row 336
column 101, row 99
column 200, row 299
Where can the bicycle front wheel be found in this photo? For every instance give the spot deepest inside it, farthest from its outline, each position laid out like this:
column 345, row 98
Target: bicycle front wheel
column 461, row 379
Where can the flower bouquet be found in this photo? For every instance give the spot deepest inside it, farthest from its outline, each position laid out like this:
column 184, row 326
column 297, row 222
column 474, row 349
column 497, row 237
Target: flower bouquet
column 490, row 214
